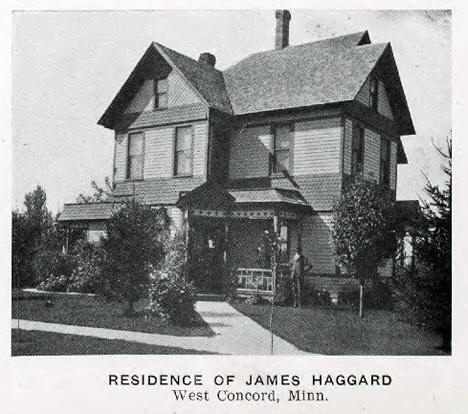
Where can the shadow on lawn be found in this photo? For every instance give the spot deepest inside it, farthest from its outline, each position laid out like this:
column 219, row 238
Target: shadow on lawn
column 343, row 332
column 95, row 311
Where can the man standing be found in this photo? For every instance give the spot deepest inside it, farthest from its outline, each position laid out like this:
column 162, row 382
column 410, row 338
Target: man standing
column 299, row 264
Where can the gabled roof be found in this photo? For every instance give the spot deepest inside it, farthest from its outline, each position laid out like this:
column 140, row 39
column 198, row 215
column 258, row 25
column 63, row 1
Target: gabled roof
column 318, row 73
column 206, row 79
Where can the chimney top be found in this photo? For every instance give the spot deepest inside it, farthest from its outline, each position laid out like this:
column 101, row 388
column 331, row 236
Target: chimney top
column 207, row 58
column 282, row 29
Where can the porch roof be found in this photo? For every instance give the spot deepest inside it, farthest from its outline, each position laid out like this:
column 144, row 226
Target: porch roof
column 213, row 196
column 88, row 211
column 269, row 195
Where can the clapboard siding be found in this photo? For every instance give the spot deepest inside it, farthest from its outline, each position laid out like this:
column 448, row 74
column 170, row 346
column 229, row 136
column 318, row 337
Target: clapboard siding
column 120, row 156
column 143, row 99
column 384, row 104
column 372, row 155
column 317, row 243
column 317, row 146
column 393, row 166
column 347, row 145
column 200, row 148
column 159, row 152
column 179, row 93
column 249, row 155
column 363, row 97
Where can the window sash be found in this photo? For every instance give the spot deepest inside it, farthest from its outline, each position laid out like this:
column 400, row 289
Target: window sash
column 357, row 161
column 281, row 148
column 385, row 154
column 135, row 156
column 183, row 157
column 160, row 93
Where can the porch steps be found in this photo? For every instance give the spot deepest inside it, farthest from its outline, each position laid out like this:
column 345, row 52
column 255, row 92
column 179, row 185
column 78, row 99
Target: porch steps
column 211, row 297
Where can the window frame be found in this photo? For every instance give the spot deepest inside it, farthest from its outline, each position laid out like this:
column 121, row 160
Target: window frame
column 385, row 178
column 128, row 176
column 175, row 151
column 284, row 242
column 362, row 138
column 158, row 94
column 374, row 94
column 273, row 156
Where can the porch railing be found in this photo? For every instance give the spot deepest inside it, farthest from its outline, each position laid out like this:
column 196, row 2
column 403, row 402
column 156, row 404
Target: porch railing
column 254, row 280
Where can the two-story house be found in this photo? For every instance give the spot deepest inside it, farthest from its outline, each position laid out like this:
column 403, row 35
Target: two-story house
column 266, row 144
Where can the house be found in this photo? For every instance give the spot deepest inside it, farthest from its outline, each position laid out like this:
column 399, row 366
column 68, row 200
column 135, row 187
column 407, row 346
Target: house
column 266, row 144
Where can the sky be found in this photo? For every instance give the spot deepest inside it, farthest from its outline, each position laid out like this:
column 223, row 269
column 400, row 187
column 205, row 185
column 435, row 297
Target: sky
column 68, row 66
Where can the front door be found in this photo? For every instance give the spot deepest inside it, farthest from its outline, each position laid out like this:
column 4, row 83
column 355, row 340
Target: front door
column 206, row 256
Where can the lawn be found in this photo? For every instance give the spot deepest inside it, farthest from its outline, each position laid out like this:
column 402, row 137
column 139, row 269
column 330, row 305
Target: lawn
column 342, row 332
column 49, row 343
column 96, row 312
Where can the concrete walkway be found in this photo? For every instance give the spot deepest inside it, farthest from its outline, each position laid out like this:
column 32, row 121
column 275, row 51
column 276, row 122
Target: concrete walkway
column 235, row 333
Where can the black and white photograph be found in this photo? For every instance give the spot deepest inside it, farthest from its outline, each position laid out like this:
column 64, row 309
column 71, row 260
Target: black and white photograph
column 231, row 182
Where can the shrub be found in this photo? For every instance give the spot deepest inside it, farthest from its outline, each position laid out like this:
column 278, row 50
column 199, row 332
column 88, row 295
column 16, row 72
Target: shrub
column 55, row 283
column 86, row 275
column 379, row 296
column 53, row 269
column 171, row 297
column 133, row 246
column 283, row 294
column 317, row 297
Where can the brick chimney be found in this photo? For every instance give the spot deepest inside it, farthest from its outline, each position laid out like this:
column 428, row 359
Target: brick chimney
column 282, row 29
column 207, row 58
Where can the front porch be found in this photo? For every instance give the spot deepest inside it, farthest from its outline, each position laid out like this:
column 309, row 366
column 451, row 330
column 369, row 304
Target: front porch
column 226, row 235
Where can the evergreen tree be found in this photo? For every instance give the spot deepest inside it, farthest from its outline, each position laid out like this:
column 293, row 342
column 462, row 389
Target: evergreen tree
column 133, row 247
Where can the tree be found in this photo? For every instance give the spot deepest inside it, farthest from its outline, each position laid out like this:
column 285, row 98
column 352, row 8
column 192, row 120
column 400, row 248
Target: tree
column 423, row 292
column 100, row 193
column 134, row 245
column 364, row 231
column 31, row 230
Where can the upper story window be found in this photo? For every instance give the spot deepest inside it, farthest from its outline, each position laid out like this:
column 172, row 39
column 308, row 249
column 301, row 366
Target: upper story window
column 135, row 156
column 183, row 162
column 281, row 144
column 385, row 151
column 374, row 93
column 357, row 161
column 160, row 94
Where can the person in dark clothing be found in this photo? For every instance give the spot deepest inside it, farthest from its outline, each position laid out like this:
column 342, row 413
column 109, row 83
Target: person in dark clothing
column 299, row 266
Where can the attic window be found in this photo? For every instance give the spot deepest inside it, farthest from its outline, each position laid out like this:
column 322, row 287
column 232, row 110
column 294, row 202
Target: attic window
column 160, row 94
column 374, row 93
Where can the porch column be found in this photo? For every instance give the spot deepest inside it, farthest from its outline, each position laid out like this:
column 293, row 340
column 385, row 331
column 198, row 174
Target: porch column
column 275, row 254
column 300, row 229
column 187, row 239
column 226, row 272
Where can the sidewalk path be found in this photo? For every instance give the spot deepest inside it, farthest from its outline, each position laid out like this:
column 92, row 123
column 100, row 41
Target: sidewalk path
column 235, row 333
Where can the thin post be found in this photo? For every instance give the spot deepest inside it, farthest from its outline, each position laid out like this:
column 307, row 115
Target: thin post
column 67, row 240
column 360, row 299
column 225, row 248
column 187, row 240
column 273, row 274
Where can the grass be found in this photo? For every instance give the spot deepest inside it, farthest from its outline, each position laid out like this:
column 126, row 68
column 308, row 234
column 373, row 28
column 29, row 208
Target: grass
column 96, row 312
column 49, row 343
column 342, row 332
